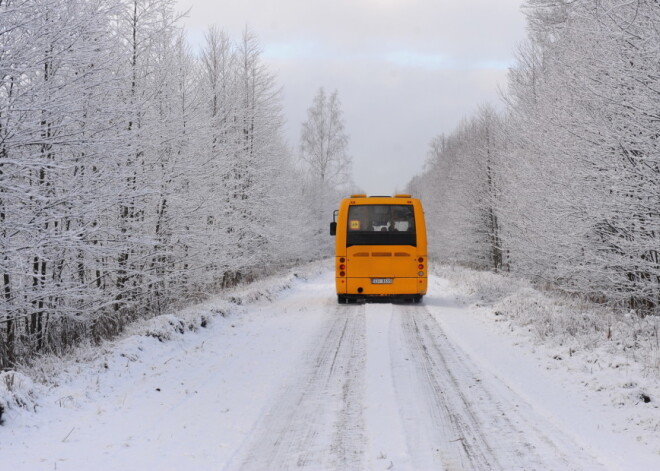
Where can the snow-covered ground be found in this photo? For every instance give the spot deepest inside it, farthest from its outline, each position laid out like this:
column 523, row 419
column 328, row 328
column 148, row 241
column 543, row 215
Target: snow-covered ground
column 278, row 376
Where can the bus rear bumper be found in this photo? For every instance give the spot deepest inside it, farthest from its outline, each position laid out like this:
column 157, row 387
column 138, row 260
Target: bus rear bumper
column 390, row 298
column 365, row 287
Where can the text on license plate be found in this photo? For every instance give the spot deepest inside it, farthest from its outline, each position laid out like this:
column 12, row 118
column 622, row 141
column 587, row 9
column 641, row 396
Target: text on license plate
column 381, row 281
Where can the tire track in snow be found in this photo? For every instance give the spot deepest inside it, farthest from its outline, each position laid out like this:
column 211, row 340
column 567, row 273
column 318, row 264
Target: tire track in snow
column 454, row 439
column 317, row 422
column 469, row 424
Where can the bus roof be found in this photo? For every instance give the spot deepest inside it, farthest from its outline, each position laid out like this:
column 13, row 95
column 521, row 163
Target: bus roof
column 363, row 195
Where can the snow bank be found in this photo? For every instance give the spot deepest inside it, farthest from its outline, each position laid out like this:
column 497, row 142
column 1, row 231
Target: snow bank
column 98, row 363
column 486, row 286
column 614, row 352
column 165, row 327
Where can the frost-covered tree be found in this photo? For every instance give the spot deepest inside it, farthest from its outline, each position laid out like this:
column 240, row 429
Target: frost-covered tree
column 58, row 70
column 594, row 124
column 325, row 159
column 577, row 173
column 462, row 191
column 134, row 177
column 324, row 142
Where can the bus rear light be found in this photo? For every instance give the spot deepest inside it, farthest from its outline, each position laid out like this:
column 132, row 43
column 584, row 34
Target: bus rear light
column 420, row 259
column 342, row 260
column 341, row 273
column 420, row 266
column 421, row 273
column 342, row 267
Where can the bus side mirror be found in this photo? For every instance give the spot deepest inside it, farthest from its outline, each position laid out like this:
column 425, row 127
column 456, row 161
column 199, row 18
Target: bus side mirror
column 333, row 228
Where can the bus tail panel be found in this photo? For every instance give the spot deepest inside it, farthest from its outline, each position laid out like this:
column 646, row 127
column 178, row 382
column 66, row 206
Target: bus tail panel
column 398, row 286
column 383, row 261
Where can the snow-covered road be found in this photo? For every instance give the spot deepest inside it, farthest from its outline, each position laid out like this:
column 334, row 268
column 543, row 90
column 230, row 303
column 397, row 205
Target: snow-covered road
column 301, row 382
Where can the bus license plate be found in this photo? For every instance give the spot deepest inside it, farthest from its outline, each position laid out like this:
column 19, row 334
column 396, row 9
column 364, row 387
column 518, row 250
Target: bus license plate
column 381, row 281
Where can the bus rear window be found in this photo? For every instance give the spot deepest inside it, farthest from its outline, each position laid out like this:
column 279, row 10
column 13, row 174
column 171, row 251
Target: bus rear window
column 381, row 224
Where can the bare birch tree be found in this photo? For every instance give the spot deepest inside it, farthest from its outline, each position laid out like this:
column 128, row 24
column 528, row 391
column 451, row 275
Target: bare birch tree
column 325, row 158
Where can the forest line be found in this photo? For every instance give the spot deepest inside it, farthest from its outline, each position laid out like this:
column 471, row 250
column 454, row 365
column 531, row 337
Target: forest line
column 135, row 175
column 562, row 186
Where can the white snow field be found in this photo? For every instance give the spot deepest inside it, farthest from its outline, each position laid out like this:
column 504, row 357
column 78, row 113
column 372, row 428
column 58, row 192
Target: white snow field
column 294, row 380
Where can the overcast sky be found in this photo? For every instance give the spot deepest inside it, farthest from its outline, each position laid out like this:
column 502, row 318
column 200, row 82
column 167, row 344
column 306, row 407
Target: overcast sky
column 406, row 70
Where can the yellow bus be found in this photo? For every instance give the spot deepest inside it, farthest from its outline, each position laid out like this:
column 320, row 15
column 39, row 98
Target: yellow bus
column 380, row 249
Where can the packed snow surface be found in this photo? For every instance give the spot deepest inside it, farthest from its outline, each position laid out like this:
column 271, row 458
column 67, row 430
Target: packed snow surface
column 287, row 378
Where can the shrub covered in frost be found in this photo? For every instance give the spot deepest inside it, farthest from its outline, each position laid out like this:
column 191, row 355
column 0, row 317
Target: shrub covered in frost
column 561, row 319
column 16, row 390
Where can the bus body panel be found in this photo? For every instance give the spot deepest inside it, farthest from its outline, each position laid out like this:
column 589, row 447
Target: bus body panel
column 381, row 270
column 382, row 261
